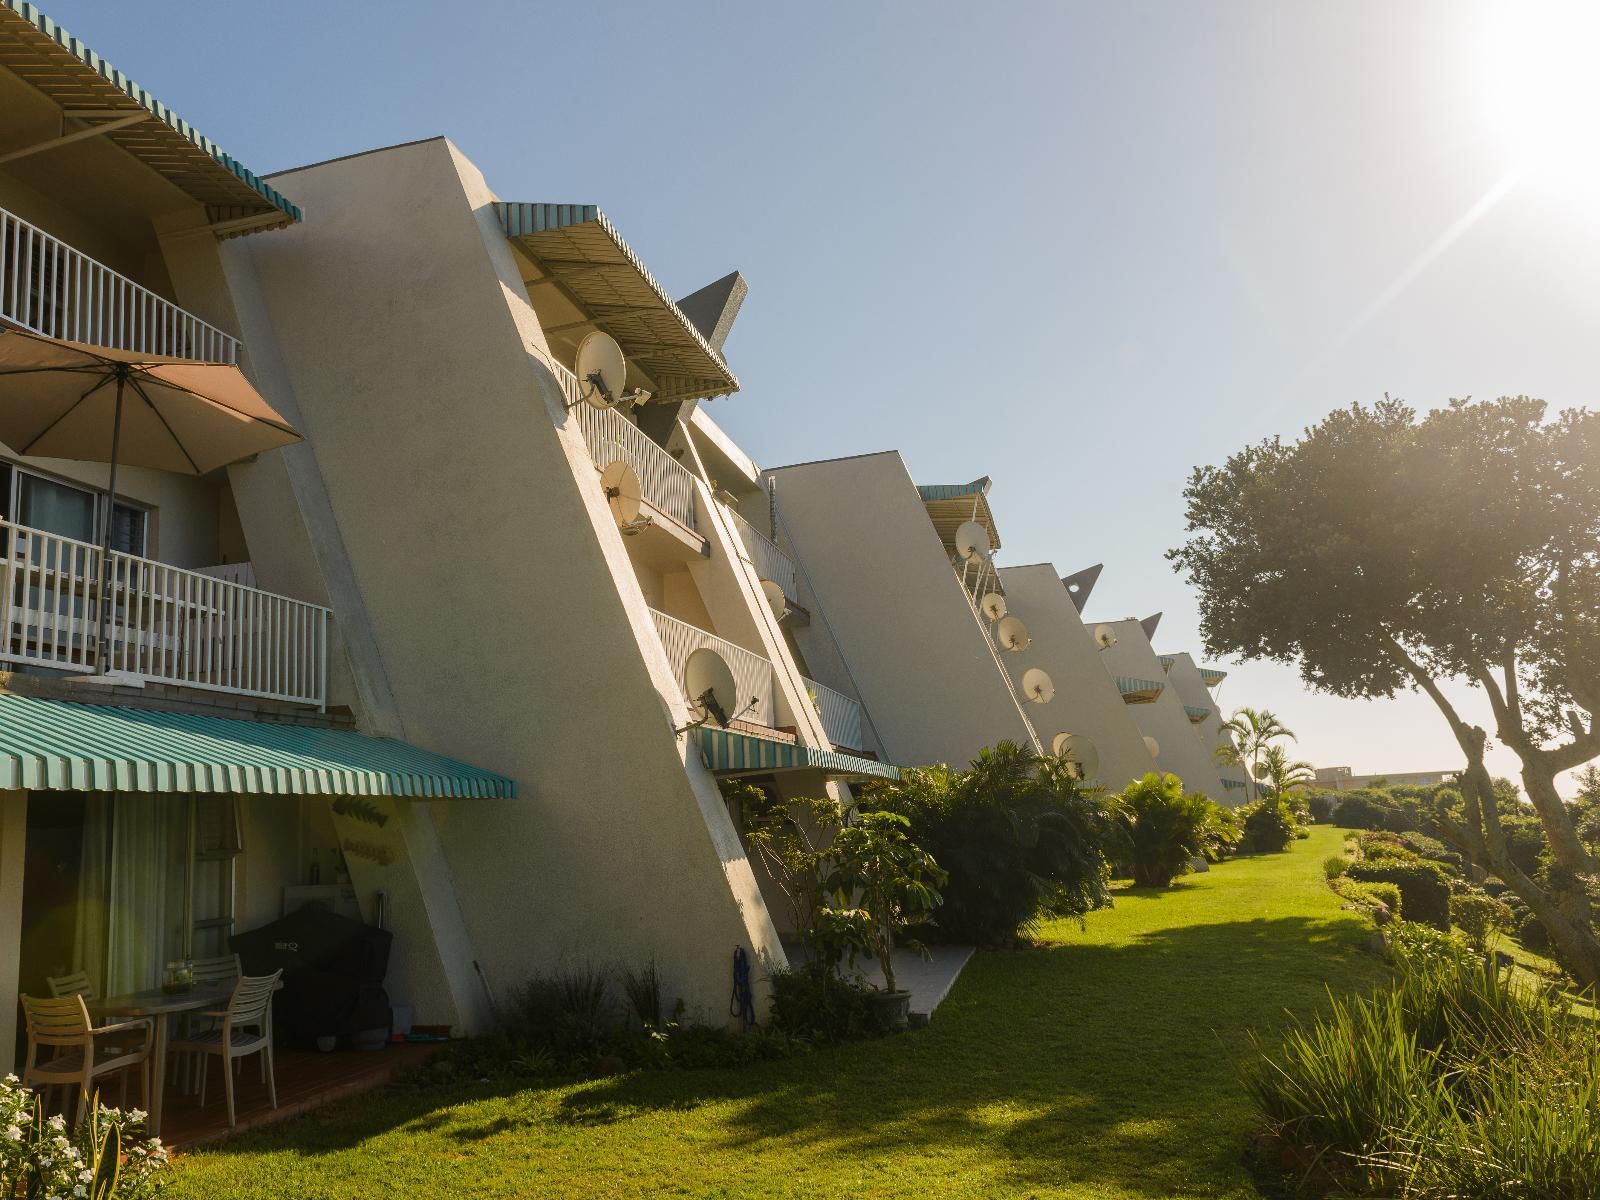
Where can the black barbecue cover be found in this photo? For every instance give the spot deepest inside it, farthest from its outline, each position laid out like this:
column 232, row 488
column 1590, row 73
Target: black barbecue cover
column 333, row 969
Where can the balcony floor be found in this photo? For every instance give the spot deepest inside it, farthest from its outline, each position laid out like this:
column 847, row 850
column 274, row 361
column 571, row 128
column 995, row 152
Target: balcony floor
column 306, row 1080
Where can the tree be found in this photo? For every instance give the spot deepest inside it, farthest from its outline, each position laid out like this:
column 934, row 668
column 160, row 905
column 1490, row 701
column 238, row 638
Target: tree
column 1164, row 828
column 1249, row 733
column 1281, row 776
column 1382, row 551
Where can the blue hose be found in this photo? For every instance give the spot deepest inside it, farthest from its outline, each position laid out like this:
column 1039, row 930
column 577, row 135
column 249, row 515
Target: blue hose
column 743, row 1003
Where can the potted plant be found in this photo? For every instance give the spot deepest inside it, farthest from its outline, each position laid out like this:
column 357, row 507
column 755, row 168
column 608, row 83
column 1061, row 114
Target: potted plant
column 881, row 883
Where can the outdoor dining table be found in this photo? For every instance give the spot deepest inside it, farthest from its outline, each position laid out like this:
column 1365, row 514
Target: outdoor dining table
column 162, row 1005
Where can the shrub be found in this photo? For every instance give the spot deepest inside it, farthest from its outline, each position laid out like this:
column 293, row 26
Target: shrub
column 572, row 1013
column 1334, row 865
column 1432, row 849
column 1532, row 934
column 1372, row 897
column 1450, row 1082
column 1019, row 838
column 817, row 1004
column 101, row 1158
column 1269, row 827
column 1479, row 915
column 1424, row 893
column 1320, row 805
column 1223, row 832
column 1358, row 810
column 1163, row 827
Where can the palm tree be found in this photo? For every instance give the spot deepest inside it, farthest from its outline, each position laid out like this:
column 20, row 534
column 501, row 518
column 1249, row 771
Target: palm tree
column 1282, row 776
column 1250, row 734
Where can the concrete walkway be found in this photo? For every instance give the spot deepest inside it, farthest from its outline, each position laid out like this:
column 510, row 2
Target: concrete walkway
column 928, row 980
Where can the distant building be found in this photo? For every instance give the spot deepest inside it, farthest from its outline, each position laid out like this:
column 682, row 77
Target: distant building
column 1339, row 779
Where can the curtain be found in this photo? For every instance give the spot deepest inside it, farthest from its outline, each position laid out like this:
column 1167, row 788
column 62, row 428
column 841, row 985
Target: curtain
column 144, row 927
column 94, row 883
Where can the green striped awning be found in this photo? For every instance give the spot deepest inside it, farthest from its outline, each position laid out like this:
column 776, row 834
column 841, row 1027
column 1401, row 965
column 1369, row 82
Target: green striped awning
column 951, row 505
column 40, row 52
column 1238, row 784
column 1210, row 676
column 60, row 745
column 1138, row 691
column 726, row 752
column 1197, row 713
column 1167, row 660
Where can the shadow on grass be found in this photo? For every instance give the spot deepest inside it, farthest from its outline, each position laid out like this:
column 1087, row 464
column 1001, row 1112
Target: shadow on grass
column 1071, row 1063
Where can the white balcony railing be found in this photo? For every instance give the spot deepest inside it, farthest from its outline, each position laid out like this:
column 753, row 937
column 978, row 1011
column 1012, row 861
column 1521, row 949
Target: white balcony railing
column 752, row 674
column 841, row 716
column 48, row 287
column 665, row 482
column 770, row 562
column 166, row 624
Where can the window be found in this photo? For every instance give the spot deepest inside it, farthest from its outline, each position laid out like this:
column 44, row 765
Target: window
column 69, row 510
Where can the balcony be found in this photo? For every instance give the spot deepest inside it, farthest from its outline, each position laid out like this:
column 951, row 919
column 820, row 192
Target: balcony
column 770, row 562
column 165, row 624
column 49, row 288
column 1138, row 691
column 752, row 674
column 840, row 715
column 666, row 484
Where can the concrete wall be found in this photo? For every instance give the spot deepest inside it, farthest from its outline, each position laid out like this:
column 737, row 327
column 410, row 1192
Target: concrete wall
column 919, row 659
column 504, row 624
column 1086, row 701
column 1181, row 751
column 1184, row 676
column 13, row 849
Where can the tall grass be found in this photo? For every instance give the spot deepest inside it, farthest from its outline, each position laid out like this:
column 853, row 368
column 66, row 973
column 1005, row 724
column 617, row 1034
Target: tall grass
column 1453, row 1083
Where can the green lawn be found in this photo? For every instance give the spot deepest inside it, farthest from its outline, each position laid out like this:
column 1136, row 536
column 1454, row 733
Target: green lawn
column 1102, row 1065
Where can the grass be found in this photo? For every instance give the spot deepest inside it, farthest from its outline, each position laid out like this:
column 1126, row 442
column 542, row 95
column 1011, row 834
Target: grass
column 1101, row 1065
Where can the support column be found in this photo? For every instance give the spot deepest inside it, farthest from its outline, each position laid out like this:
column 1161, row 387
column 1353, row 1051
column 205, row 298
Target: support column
column 13, row 854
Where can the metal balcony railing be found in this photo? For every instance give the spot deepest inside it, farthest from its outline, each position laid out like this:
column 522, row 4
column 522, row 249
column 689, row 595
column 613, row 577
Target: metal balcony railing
column 770, row 562
column 48, row 287
column 664, row 481
column 841, row 716
column 165, row 624
column 752, row 674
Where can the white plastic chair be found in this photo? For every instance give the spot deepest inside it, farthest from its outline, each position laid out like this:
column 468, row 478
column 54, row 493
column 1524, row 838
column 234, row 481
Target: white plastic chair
column 246, row 1029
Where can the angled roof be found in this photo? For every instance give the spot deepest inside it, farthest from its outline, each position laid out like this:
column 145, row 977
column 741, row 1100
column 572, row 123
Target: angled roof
column 1080, row 583
column 581, row 251
column 714, row 308
column 951, row 505
column 61, row 745
column 39, row 51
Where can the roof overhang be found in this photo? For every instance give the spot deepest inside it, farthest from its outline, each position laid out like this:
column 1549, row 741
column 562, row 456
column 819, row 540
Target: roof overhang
column 85, row 86
column 726, row 752
column 60, row 745
column 579, row 251
column 951, row 505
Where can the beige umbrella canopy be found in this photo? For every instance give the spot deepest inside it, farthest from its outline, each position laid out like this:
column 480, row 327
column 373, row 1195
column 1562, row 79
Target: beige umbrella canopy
column 67, row 400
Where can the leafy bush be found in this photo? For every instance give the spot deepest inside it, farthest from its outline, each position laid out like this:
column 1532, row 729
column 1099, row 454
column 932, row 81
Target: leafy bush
column 882, row 883
column 1018, row 837
column 818, row 1005
column 1424, row 892
column 1223, row 832
column 1370, row 895
column 1320, row 804
column 1359, row 810
column 1478, row 915
column 1432, row 849
column 1269, row 827
column 102, row 1158
column 1451, row 1082
column 1163, row 828
column 1532, row 934
column 1334, row 865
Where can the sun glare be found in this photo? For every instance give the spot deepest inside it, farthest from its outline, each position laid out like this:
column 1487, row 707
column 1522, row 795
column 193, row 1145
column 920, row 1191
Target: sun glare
column 1542, row 88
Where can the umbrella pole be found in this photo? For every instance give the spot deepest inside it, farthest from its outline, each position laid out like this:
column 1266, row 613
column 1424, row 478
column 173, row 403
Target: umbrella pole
column 103, row 658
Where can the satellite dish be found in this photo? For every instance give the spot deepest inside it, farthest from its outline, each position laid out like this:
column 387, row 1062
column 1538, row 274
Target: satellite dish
column 708, row 682
column 1036, row 686
column 1079, row 751
column 1259, row 770
column 601, row 369
column 972, row 541
column 776, row 600
column 1104, row 637
column 993, row 605
column 1152, row 745
column 1013, row 634
column 620, row 484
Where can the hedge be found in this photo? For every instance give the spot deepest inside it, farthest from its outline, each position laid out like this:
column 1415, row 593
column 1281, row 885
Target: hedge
column 1424, row 892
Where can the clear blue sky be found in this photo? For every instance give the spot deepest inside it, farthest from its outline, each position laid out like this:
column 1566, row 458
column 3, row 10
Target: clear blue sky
column 1079, row 248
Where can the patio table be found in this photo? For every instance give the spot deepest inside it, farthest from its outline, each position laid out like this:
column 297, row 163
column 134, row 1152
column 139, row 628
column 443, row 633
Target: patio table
column 161, row 1006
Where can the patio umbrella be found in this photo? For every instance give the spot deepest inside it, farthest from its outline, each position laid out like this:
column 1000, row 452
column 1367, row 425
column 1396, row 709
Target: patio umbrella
column 63, row 399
